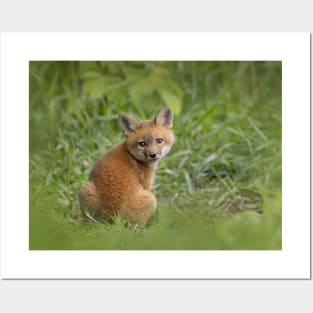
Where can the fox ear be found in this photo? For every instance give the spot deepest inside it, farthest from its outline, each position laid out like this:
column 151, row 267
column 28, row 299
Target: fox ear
column 128, row 123
column 164, row 118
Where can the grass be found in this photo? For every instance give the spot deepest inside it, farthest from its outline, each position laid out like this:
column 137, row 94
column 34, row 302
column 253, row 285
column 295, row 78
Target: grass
column 219, row 187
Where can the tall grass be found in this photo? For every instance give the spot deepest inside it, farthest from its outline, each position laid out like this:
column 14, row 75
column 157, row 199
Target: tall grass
column 220, row 186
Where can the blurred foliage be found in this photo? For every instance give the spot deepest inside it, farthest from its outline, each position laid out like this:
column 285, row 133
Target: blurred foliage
column 224, row 169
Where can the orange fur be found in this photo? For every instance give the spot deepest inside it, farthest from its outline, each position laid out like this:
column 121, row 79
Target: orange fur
column 121, row 181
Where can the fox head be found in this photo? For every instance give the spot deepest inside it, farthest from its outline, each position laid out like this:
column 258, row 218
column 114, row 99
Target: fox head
column 148, row 141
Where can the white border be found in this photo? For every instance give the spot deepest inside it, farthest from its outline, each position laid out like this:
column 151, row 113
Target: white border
column 18, row 262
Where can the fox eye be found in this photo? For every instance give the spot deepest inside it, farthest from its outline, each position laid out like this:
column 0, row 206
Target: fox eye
column 141, row 143
column 159, row 140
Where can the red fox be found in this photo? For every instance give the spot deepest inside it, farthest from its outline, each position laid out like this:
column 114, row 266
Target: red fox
column 120, row 182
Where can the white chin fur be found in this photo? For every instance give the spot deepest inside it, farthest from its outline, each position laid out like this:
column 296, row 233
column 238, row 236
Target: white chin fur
column 165, row 151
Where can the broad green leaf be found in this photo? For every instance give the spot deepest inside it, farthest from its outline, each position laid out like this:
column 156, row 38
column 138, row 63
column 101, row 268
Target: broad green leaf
column 173, row 101
column 140, row 89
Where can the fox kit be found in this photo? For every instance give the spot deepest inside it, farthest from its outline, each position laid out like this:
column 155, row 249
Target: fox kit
column 121, row 181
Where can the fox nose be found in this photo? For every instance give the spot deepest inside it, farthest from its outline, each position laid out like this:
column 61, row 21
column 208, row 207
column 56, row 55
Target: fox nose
column 153, row 155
